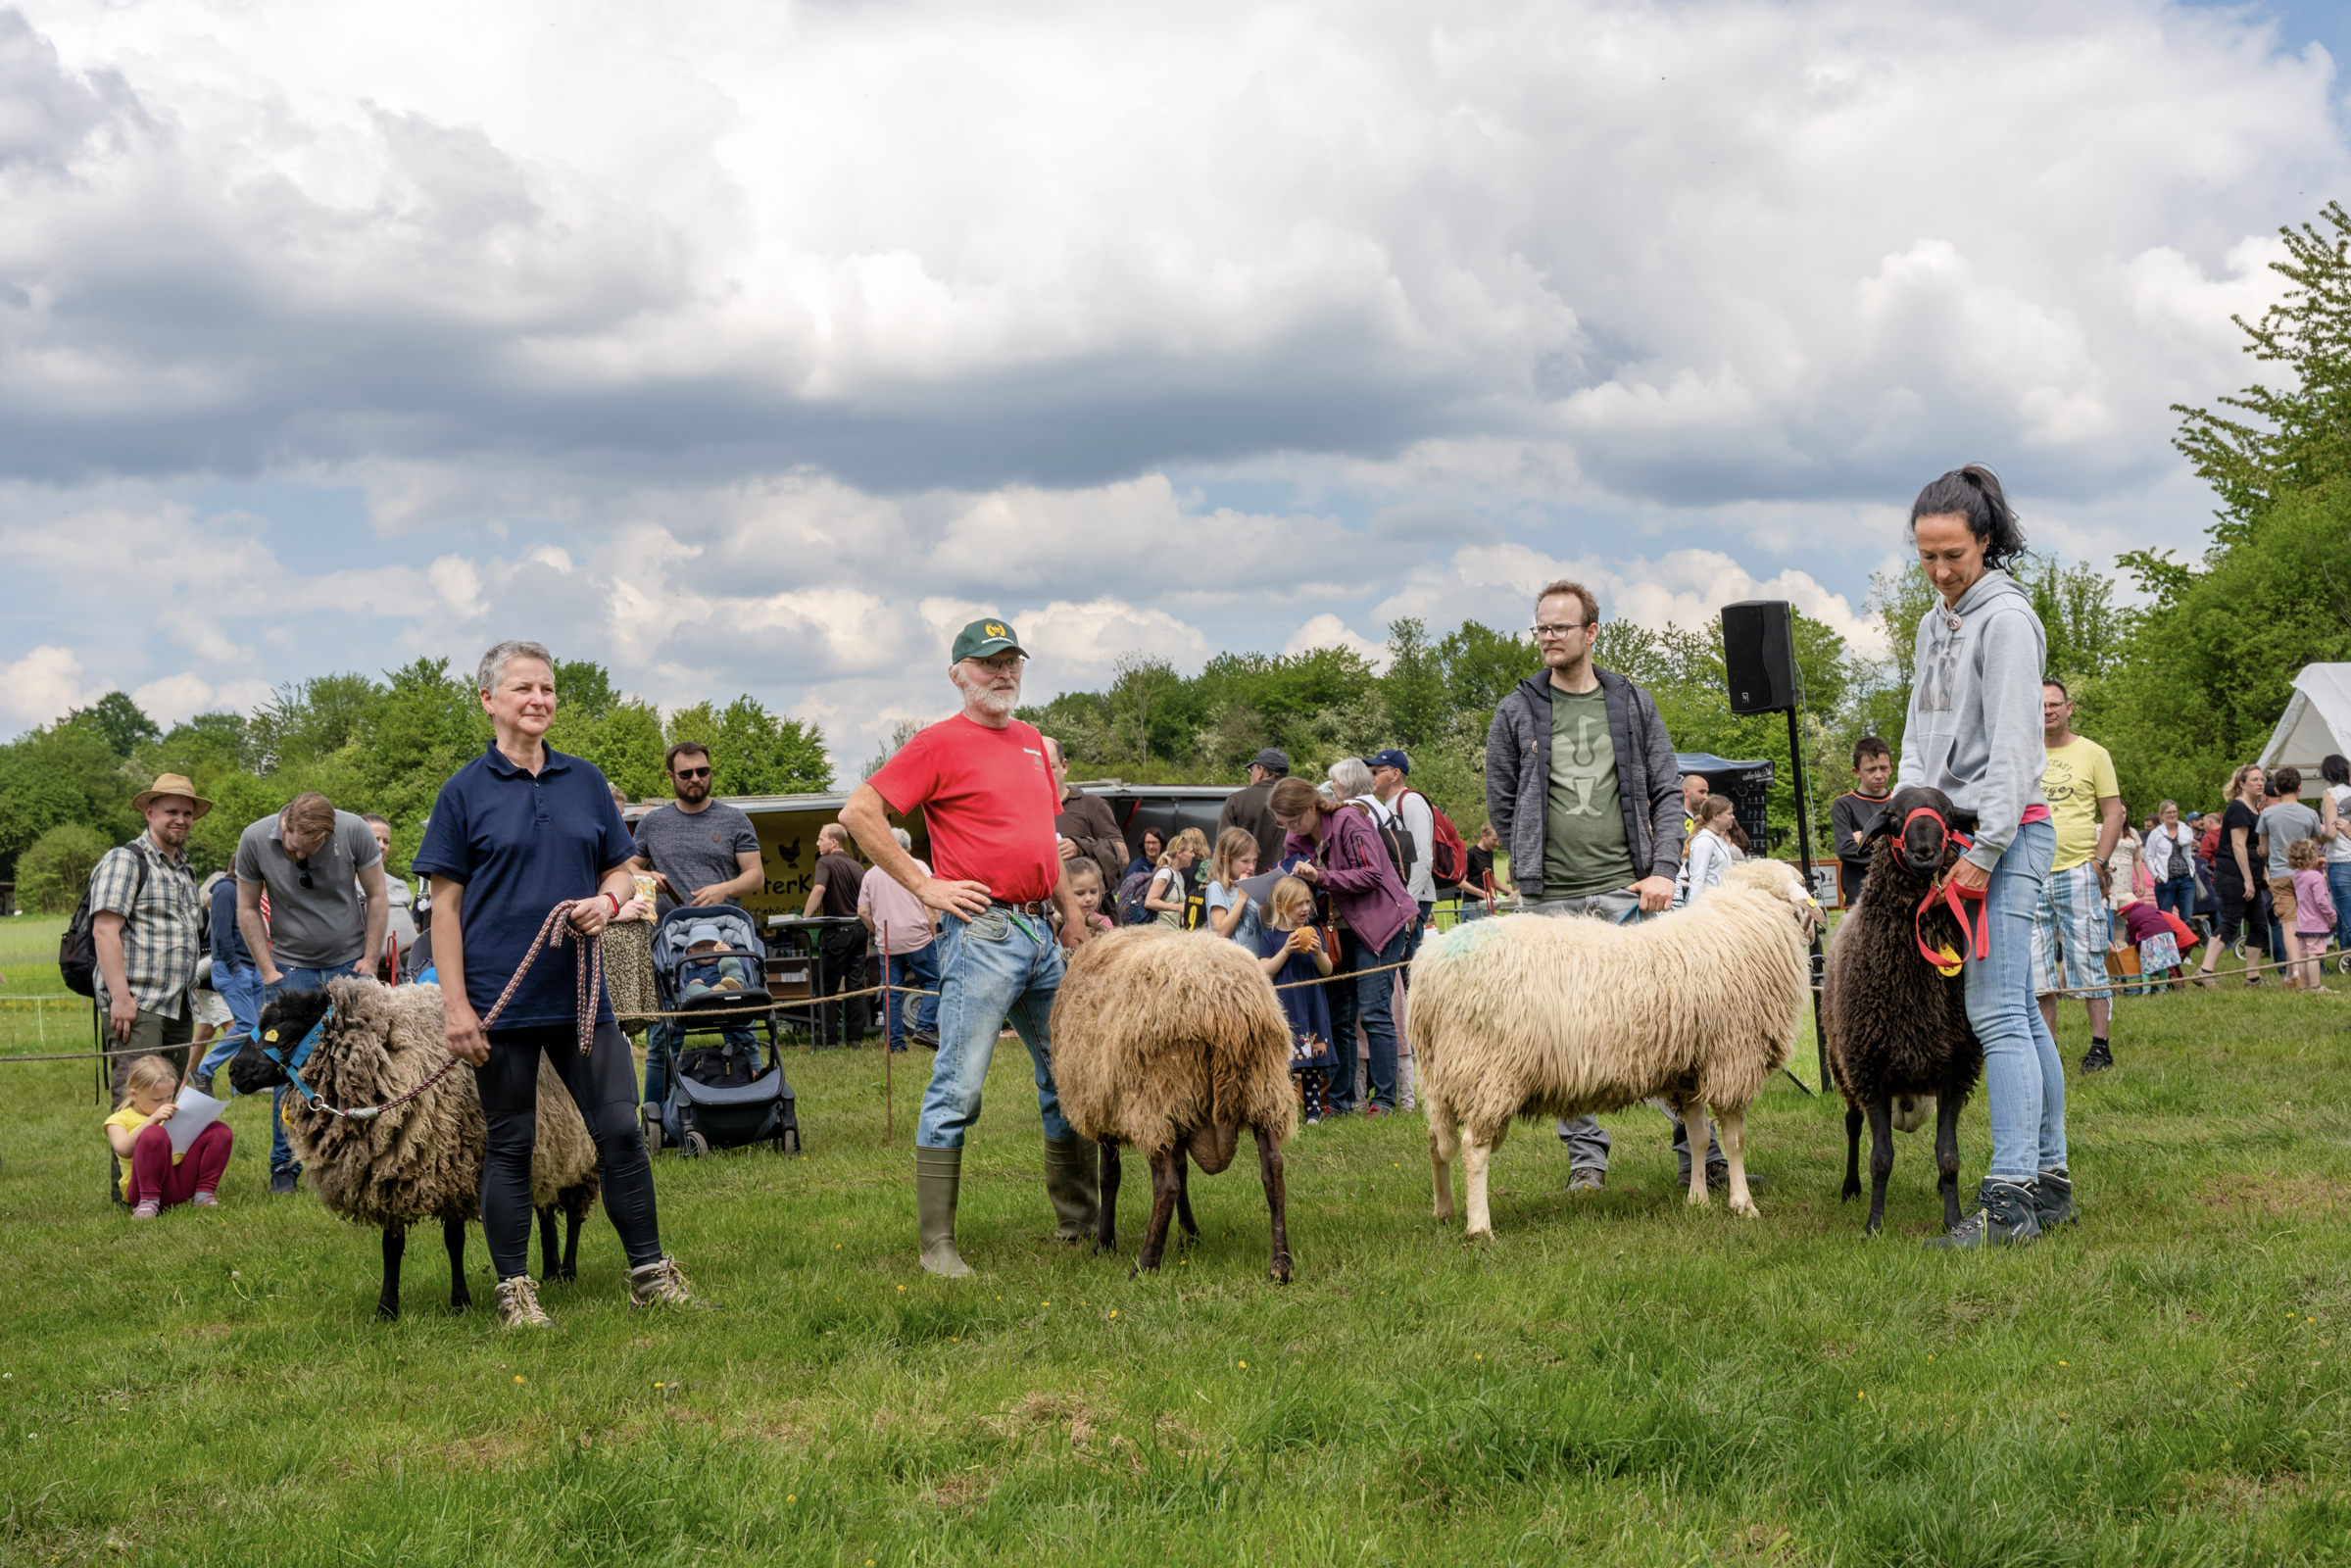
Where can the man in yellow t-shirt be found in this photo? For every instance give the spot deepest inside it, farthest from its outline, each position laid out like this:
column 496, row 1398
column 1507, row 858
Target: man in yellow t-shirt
column 2071, row 933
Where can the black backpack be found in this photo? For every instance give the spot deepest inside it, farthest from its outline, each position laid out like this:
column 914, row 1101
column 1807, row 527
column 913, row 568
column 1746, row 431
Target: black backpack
column 1401, row 849
column 77, row 949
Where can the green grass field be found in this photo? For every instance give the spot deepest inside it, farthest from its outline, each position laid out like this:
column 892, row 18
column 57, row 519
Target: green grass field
column 1612, row 1380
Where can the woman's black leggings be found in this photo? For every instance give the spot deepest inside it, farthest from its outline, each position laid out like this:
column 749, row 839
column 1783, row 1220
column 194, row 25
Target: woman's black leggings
column 604, row 1085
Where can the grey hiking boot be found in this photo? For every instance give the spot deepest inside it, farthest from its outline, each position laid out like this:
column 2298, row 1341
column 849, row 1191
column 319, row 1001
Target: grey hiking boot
column 518, row 1305
column 938, row 1174
column 1072, row 1182
column 1587, row 1179
column 2054, row 1191
column 659, row 1283
column 2006, row 1214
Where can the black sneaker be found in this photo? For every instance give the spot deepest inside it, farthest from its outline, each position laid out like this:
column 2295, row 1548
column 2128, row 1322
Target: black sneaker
column 924, row 1038
column 2007, row 1214
column 281, row 1182
column 202, row 1083
column 2054, row 1196
column 2099, row 1057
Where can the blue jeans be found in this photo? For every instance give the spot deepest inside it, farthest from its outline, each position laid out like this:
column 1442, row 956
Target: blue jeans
column 2178, row 896
column 241, row 987
column 1370, row 998
column 281, row 1154
column 2023, row 1078
column 1001, row 967
column 2338, row 888
column 918, row 968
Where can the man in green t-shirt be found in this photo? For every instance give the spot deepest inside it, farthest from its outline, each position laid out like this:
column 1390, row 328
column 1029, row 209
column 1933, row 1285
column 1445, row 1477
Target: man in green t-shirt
column 1582, row 784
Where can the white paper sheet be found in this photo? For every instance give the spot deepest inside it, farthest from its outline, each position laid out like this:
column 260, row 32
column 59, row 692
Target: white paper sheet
column 197, row 1112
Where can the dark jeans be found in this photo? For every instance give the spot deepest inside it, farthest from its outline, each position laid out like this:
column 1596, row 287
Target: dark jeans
column 2177, row 896
column 604, row 1085
column 1371, row 998
column 281, row 1152
column 843, row 1023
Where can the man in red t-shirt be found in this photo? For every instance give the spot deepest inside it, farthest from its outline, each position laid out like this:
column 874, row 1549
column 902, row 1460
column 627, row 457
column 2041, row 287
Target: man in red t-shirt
column 989, row 797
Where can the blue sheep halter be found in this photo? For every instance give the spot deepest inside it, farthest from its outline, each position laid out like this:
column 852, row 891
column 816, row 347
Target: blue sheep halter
column 301, row 1054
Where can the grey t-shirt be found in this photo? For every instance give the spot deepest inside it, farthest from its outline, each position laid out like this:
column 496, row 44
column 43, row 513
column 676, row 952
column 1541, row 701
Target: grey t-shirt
column 325, row 924
column 694, row 850
column 2281, row 825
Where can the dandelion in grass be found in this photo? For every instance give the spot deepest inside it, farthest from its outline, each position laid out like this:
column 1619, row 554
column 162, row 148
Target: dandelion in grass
column 1113, row 1311
column 791, row 1496
column 518, row 1377
column 1243, row 1365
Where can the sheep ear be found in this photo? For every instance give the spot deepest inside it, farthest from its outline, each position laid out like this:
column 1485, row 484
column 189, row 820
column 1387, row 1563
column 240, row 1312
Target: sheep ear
column 1962, row 820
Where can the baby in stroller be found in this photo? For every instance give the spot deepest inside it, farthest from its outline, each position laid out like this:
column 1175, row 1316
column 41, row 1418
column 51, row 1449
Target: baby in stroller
column 706, row 943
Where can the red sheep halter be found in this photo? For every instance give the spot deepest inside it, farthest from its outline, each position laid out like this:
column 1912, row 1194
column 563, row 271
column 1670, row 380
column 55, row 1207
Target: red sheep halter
column 1948, row 892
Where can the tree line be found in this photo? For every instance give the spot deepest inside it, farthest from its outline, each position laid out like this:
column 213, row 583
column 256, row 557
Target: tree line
column 383, row 746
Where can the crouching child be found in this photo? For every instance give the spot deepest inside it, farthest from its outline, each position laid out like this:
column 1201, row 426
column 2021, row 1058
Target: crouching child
column 155, row 1176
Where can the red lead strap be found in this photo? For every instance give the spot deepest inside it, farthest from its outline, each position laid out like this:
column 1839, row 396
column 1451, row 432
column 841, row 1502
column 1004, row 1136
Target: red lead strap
column 1977, row 936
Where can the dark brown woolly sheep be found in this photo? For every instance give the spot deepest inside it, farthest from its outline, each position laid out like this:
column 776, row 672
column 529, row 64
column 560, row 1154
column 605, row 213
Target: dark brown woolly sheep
column 1897, row 1028
column 1174, row 1041
column 423, row 1160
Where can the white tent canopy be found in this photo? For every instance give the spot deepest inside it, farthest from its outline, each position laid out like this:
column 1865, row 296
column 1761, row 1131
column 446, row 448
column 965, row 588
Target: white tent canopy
column 2317, row 721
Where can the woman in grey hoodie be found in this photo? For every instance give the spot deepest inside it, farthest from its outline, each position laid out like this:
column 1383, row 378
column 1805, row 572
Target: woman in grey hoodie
column 1975, row 733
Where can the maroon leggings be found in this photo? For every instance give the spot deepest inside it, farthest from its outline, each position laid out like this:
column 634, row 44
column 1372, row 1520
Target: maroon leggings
column 153, row 1176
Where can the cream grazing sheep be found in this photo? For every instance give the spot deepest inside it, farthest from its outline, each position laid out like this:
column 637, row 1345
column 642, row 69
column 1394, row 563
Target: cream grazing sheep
column 421, row 1160
column 1174, row 1041
column 1529, row 1015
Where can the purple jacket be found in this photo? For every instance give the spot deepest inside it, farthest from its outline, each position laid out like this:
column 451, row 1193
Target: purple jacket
column 1358, row 875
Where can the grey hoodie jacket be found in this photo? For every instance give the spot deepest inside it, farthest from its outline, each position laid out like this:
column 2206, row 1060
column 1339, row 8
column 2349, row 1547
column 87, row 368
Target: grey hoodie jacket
column 1518, row 778
column 1974, row 730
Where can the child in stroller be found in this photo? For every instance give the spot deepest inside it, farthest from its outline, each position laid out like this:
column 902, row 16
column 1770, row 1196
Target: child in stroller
column 708, row 961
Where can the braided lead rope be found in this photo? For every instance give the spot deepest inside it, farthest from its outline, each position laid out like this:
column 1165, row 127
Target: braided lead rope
column 588, row 993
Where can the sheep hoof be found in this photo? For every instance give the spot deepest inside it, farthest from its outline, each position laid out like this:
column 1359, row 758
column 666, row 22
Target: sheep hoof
column 1281, row 1269
column 1483, row 1235
column 1747, row 1211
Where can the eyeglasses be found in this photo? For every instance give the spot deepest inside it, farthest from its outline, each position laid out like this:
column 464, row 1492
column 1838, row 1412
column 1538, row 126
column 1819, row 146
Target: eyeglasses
column 691, row 772
column 1559, row 630
column 302, row 865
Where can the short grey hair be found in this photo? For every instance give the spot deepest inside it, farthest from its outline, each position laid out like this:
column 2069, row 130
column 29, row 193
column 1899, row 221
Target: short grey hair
column 905, row 840
column 493, row 664
column 1351, row 777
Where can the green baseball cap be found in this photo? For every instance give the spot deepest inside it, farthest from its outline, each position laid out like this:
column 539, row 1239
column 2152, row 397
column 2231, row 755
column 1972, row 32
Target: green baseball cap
column 985, row 639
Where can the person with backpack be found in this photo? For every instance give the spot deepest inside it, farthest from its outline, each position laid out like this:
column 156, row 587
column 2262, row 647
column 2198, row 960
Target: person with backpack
column 1437, row 851
column 137, row 935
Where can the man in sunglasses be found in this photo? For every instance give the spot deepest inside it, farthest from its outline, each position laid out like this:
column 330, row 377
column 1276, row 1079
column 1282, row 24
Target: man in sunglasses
column 701, row 853
column 324, row 876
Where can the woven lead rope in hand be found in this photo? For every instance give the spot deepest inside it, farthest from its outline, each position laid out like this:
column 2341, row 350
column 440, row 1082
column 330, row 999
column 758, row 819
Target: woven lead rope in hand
column 588, row 990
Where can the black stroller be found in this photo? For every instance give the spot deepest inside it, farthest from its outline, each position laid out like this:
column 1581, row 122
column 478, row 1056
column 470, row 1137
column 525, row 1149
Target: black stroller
column 717, row 1097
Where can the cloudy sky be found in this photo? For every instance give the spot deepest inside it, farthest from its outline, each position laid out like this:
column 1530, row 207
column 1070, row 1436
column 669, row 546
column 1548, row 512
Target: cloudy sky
column 758, row 346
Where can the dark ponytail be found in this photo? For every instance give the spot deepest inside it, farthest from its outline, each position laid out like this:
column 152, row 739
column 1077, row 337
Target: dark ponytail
column 1974, row 493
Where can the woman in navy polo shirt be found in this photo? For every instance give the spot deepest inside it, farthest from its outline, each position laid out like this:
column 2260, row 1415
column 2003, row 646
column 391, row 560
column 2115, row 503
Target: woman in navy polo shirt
column 517, row 831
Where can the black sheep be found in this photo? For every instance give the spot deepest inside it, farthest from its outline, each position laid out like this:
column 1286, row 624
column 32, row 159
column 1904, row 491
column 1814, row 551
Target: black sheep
column 1897, row 1026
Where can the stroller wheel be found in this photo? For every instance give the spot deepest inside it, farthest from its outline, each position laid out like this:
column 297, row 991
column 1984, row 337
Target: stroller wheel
column 696, row 1145
column 650, row 1119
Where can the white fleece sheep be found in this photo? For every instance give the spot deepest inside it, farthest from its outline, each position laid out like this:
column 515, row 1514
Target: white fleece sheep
column 1530, row 1015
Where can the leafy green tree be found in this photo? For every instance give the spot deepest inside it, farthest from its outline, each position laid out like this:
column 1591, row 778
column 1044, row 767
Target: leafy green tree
column 55, row 872
column 1482, row 665
column 117, row 719
column 1142, row 689
column 754, row 752
column 68, row 772
column 1414, row 685
column 2298, row 435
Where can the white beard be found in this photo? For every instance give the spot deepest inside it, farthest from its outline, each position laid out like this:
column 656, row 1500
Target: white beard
column 997, row 704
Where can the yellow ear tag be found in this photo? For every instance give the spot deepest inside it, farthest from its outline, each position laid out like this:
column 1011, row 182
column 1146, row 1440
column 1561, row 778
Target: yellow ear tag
column 1950, row 962
column 272, row 1035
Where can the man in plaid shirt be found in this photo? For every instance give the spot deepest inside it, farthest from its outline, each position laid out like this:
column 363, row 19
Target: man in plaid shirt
column 147, row 931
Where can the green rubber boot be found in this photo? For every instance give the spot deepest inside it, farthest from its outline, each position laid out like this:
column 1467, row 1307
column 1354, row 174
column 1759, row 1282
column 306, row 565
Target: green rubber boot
column 937, row 1173
column 1072, row 1181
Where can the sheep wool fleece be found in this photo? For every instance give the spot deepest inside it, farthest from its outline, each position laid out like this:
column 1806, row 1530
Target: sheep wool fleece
column 1566, row 1017
column 424, row 1159
column 1158, row 1034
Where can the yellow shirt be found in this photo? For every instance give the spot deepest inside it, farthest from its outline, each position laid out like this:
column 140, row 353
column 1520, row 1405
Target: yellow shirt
column 2079, row 774
column 133, row 1122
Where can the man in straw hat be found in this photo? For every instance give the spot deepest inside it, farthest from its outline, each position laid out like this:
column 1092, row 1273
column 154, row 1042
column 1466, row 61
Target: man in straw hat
column 146, row 923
